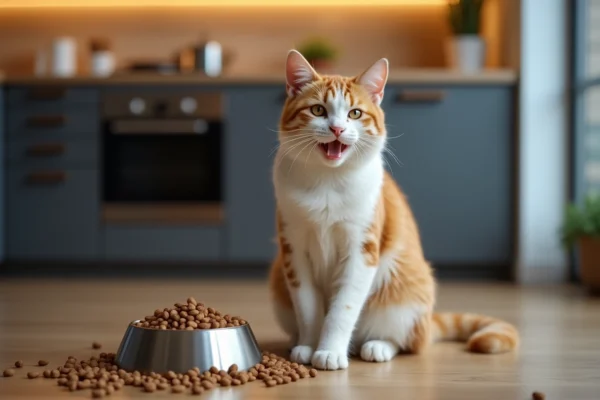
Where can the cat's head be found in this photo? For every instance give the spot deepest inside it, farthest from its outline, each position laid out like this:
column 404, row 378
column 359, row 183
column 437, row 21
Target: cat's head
column 332, row 120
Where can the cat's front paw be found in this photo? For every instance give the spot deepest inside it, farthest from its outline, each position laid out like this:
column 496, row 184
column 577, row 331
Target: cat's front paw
column 331, row 360
column 301, row 354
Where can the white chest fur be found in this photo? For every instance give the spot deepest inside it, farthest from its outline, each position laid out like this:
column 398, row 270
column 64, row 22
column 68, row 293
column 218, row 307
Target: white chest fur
column 327, row 212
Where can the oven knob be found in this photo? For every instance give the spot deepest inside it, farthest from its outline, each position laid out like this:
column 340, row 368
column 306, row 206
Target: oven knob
column 137, row 106
column 188, row 105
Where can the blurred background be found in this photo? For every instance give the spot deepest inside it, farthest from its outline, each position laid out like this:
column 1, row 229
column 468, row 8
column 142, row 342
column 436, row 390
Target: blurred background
column 139, row 135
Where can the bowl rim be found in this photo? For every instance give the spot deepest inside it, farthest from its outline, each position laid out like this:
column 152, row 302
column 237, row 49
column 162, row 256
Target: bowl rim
column 132, row 325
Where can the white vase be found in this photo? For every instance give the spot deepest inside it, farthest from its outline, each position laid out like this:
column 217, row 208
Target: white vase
column 466, row 53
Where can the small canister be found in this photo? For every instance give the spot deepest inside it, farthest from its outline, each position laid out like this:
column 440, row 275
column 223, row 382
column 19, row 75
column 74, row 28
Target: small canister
column 209, row 58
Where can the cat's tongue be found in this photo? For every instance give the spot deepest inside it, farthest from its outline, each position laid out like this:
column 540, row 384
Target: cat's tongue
column 334, row 150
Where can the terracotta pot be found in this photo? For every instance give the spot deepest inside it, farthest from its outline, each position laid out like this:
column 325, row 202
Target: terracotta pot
column 322, row 66
column 589, row 254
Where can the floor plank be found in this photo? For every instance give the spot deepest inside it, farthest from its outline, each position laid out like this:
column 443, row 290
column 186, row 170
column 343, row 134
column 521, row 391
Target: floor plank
column 560, row 352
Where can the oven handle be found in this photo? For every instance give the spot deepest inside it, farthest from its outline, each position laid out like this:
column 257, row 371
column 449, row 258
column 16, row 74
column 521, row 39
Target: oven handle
column 159, row 127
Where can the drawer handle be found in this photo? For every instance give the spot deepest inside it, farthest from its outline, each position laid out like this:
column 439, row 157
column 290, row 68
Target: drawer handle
column 409, row 96
column 46, row 93
column 46, row 177
column 44, row 150
column 46, row 121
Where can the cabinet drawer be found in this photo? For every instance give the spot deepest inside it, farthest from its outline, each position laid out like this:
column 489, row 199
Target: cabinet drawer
column 52, row 214
column 22, row 96
column 160, row 243
column 53, row 121
column 456, row 150
column 37, row 153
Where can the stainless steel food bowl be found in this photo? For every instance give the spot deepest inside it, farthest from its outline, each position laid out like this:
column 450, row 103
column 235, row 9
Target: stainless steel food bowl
column 160, row 351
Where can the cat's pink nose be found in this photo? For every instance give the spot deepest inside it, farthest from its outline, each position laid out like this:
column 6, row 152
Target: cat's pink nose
column 337, row 131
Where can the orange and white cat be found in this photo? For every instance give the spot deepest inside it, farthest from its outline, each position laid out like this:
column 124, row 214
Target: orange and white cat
column 350, row 276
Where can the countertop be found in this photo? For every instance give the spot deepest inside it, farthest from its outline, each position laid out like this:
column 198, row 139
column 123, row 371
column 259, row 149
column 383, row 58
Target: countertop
column 399, row 76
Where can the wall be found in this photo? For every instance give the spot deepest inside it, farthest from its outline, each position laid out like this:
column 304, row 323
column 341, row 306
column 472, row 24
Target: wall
column 543, row 143
column 409, row 35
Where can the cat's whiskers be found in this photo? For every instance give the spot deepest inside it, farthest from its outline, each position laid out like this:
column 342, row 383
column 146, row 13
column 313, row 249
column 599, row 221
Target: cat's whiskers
column 297, row 155
column 290, row 149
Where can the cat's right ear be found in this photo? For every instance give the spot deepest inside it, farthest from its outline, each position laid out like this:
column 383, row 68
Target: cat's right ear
column 298, row 73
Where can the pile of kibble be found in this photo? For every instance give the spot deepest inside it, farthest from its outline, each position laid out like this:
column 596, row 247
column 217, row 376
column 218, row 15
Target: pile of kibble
column 102, row 375
column 189, row 316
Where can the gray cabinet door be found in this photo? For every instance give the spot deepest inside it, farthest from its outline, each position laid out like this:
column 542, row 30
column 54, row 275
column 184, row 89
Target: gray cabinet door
column 457, row 162
column 52, row 216
column 252, row 119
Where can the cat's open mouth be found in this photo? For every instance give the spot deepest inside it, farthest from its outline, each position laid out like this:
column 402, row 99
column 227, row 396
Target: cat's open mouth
column 333, row 150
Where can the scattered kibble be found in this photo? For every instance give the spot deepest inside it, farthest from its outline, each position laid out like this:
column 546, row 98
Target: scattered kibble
column 538, row 396
column 103, row 377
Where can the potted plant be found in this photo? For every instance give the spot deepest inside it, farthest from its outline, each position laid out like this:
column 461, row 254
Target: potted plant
column 466, row 48
column 319, row 52
column 581, row 229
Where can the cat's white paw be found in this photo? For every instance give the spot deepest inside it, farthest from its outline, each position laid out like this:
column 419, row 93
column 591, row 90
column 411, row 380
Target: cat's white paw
column 301, row 354
column 378, row 351
column 325, row 359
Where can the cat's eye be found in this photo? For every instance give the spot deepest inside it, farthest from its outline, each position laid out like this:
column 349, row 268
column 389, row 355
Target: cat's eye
column 355, row 113
column 318, row 110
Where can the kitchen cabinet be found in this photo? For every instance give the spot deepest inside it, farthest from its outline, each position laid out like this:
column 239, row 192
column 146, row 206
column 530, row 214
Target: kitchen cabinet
column 52, row 214
column 455, row 145
column 252, row 121
column 162, row 243
column 2, row 179
column 53, row 180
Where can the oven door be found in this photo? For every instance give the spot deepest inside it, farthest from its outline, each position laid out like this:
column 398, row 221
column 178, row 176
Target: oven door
column 162, row 169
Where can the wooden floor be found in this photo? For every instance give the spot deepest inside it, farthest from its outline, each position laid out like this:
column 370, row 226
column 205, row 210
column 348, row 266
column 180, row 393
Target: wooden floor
column 560, row 353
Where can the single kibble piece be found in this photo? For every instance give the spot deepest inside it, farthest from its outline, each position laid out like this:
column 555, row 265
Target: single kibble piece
column 271, row 382
column 149, row 387
column 313, row 373
column 207, row 385
column 33, row 375
column 162, row 385
column 8, row 373
column 538, row 396
column 226, row 381
column 236, row 382
column 197, row 390
column 47, row 374
column 232, row 369
column 178, row 389
column 42, row 363
column 286, row 379
column 98, row 393
column 96, row 345
column 62, row 381
column 19, row 364
column 55, row 373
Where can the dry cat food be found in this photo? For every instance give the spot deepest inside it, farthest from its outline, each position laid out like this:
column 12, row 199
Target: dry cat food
column 189, row 316
column 103, row 377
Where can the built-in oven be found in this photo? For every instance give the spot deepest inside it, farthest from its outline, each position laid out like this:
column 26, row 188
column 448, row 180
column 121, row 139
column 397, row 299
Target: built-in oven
column 162, row 157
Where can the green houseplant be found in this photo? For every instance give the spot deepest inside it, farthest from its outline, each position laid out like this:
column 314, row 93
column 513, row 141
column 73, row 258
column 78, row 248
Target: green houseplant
column 320, row 52
column 466, row 48
column 581, row 230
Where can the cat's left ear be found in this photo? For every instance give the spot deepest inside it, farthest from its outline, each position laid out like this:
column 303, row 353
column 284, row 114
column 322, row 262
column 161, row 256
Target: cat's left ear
column 374, row 79
column 298, row 73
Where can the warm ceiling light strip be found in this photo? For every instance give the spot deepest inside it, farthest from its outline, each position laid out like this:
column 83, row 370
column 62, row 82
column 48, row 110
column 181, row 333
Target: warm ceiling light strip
column 207, row 3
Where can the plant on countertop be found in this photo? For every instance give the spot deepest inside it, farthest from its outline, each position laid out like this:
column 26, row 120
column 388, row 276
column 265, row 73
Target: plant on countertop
column 318, row 50
column 581, row 221
column 465, row 16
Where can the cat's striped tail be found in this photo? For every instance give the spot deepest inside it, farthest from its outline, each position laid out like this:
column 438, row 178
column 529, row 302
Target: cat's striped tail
column 482, row 334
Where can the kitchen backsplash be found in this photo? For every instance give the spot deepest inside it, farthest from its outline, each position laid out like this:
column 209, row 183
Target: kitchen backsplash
column 410, row 36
